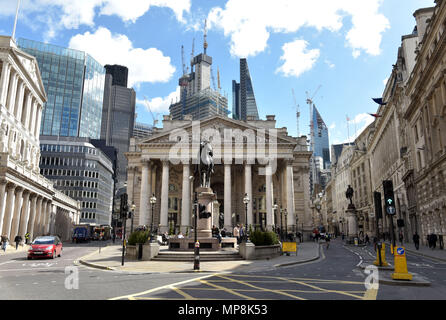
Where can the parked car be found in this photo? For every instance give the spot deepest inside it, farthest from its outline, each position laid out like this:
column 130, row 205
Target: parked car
column 48, row 246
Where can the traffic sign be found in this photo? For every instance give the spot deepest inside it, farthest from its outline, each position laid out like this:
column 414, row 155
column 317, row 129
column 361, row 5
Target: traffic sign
column 400, row 251
column 391, row 210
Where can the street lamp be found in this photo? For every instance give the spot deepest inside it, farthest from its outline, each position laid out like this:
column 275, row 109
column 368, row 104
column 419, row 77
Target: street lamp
column 286, row 224
column 152, row 202
column 275, row 215
column 246, row 201
column 133, row 207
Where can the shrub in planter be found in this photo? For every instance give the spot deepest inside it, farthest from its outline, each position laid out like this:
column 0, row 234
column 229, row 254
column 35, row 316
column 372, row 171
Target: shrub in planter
column 138, row 237
column 260, row 238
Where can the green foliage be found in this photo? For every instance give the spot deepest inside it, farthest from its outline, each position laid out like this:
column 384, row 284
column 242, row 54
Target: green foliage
column 171, row 228
column 260, row 238
column 139, row 237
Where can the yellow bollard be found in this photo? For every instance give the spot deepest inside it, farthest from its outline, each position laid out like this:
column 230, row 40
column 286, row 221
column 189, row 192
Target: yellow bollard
column 383, row 256
column 401, row 272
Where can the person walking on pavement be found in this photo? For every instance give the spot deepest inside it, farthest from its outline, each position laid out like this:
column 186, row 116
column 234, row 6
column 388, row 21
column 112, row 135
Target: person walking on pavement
column 401, row 237
column 416, row 241
column 27, row 236
column 440, row 240
column 236, row 233
column 5, row 243
column 434, row 241
column 17, row 241
column 367, row 239
column 327, row 240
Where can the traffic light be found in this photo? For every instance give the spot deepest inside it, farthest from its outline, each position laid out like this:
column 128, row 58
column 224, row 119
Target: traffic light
column 378, row 205
column 124, row 205
column 389, row 197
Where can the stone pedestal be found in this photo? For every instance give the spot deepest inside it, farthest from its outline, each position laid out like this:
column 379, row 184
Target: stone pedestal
column 247, row 250
column 150, row 251
column 352, row 222
column 206, row 198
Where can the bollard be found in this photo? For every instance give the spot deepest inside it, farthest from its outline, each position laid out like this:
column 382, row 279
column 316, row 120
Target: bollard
column 401, row 272
column 381, row 255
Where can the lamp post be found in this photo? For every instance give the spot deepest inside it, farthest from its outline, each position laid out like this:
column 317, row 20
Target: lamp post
column 275, row 216
column 281, row 224
column 246, row 201
column 286, row 224
column 197, row 244
column 152, row 202
column 133, row 207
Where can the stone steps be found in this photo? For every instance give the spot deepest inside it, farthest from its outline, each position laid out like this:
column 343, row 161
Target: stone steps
column 204, row 256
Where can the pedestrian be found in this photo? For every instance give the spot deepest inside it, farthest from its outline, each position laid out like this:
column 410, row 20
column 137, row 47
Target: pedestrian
column 401, row 237
column 236, row 233
column 434, row 241
column 327, row 240
column 367, row 239
column 440, row 240
column 17, row 241
column 5, row 242
column 27, row 236
column 114, row 237
column 375, row 242
column 416, row 240
column 429, row 241
column 223, row 232
column 343, row 236
column 216, row 233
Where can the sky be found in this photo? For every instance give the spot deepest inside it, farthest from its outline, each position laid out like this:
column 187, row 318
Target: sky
column 338, row 52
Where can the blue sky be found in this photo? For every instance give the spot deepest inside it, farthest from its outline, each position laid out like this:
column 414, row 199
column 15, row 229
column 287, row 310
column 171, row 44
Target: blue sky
column 345, row 46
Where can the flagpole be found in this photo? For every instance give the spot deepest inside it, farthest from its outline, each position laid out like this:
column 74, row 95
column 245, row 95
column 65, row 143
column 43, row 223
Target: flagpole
column 15, row 21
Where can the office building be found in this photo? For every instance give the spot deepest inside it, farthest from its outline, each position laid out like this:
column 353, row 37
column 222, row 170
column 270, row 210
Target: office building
column 244, row 101
column 74, row 83
column 81, row 171
column 118, row 116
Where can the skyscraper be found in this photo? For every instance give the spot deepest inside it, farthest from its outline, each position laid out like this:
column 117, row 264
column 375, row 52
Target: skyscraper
column 321, row 143
column 118, row 115
column 74, row 83
column 243, row 99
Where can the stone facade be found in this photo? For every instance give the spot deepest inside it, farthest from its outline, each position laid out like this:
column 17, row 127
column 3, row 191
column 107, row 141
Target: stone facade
column 28, row 201
column 238, row 170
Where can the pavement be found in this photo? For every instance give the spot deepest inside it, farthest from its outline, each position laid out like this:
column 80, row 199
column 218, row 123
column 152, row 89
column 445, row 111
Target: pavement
column 10, row 249
column 436, row 254
column 110, row 258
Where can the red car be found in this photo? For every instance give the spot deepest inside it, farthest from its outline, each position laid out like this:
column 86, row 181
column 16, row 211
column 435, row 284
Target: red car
column 49, row 246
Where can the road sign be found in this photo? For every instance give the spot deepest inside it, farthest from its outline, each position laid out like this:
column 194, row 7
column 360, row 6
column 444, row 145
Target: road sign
column 289, row 247
column 400, row 251
column 391, row 210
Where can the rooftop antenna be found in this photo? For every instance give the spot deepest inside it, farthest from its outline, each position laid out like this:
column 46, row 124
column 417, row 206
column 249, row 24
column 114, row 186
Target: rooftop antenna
column 297, row 112
column 205, row 44
column 15, row 21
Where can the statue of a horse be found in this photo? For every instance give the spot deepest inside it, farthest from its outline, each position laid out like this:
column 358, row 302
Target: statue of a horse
column 205, row 168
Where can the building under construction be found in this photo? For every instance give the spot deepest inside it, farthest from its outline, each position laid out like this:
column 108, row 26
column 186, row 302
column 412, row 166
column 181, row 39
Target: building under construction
column 197, row 98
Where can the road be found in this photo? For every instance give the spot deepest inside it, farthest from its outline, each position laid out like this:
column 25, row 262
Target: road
column 335, row 276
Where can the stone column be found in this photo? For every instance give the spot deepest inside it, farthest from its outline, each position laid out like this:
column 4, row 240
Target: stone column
column 17, row 211
column 9, row 209
column 290, row 195
column 27, row 111
column 4, row 82
column 25, row 215
column 47, row 216
column 248, row 190
column 146, row 193
column 352, row 222
column 53, row 219
column 12, row 92
column 37, row 218
column 19, row 101
column 39, row 119
column 269, row 195
column 32, row 216
column 3, row 200
column 228, row 199
column 164, row 198
column 33, row 117
column 130, row 184
column 185, row 201
column 42, row 217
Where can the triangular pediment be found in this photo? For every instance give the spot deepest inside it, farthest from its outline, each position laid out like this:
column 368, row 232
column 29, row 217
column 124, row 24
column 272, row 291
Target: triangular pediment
column 218, row 123
column 29, row 66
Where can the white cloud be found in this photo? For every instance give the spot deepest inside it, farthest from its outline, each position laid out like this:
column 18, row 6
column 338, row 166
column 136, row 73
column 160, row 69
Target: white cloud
column 249, row 23
column 161, row 104
column 330, row 64
column 297, row 58
column 145, row 65
column 59, row 14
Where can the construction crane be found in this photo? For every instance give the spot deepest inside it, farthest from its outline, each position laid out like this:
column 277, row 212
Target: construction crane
column 155, row 120
column 297, row 112
column 182, row 61
column 192, row 56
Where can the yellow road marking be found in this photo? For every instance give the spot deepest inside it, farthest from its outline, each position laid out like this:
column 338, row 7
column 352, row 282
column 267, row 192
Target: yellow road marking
column 226, row 289
column 184, row 294
column 262, row 289
column 371, row 294
column 169, row 286
column 322, row 289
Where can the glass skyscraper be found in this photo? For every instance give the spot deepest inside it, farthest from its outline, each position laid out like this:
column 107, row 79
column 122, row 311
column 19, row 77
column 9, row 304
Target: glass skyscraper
column 243, row 98
column 74, row 83
column 321, row 143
